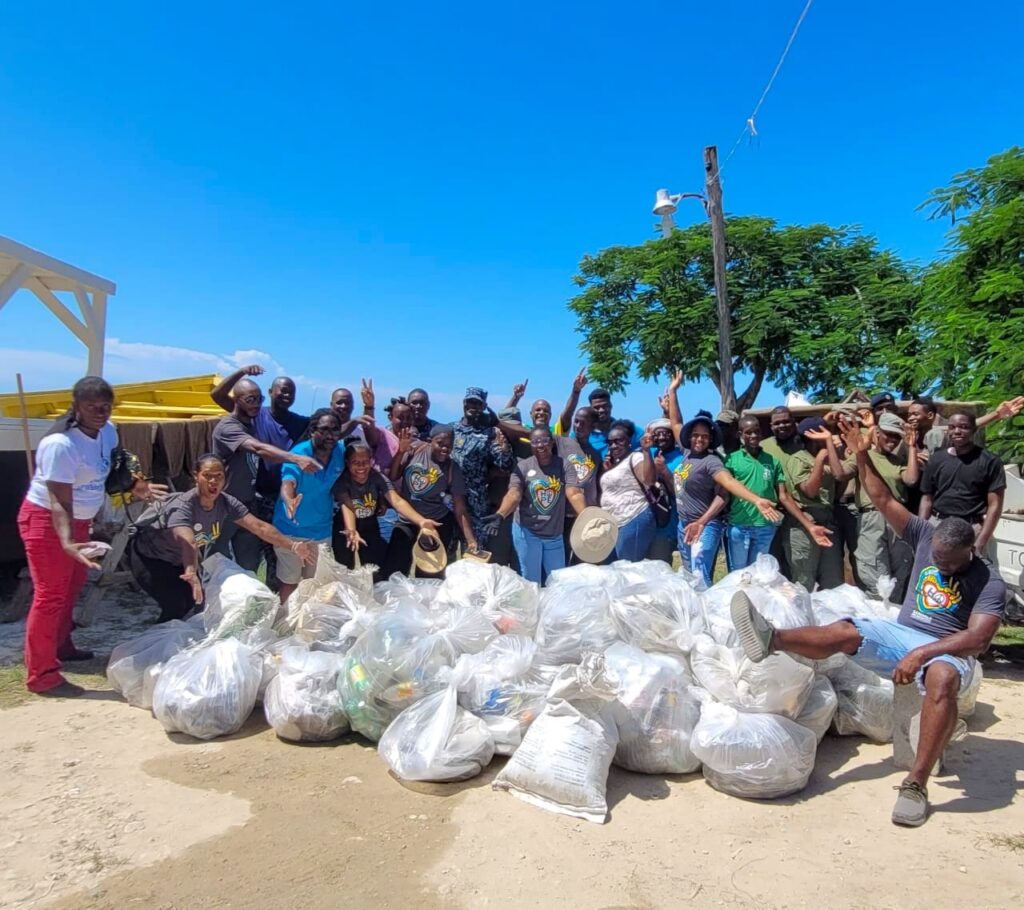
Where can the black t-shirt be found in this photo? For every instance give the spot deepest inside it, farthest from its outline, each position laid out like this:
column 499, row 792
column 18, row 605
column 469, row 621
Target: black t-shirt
column 365, row 498
column 959, row 484
column 153, row 528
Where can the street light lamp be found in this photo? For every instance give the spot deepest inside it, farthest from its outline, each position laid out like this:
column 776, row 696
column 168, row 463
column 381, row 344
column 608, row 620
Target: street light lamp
column 666, row 205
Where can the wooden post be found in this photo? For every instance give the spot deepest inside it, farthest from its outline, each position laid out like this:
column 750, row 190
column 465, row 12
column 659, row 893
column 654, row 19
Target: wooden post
column 24, row 428
column 713, row 188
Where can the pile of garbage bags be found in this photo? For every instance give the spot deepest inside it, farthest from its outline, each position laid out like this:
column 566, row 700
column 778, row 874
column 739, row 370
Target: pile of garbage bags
column 630, row 664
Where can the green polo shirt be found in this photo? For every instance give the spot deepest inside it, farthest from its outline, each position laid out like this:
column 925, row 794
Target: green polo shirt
column 762, row 476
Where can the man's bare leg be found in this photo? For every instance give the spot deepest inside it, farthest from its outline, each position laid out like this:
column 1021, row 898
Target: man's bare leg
column 760, row 638
column 938, row 721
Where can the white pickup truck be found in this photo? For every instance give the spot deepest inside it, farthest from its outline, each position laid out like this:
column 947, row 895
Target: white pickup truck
column 1006, row 549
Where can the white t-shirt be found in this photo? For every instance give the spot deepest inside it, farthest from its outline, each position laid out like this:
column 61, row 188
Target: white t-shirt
column 74, row 458
column 621, row 495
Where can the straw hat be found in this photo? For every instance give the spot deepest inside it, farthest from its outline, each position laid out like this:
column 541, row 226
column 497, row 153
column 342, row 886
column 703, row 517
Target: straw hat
column 594, row 534
column 429, row 555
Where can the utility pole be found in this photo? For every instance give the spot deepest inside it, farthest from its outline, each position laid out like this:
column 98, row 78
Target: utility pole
column 713, row 190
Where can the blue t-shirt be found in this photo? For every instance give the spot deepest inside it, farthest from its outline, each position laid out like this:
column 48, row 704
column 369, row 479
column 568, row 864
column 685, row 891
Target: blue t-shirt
column 315, row 513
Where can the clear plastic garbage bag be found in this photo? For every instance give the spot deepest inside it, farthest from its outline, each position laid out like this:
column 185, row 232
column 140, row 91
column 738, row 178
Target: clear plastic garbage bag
column 236, row 600
column 865, row 702
column 129, row 661
column 562, row 765
column 754, row 756
column 574, row 618
column 784, row 604
column 401, row 587
column 776, row 685
column 656, row 711
column 404, row 656
column 437, row 740
column 208, row 691
column 820, row 707
column 507, row 599
column 846, row 602
column 302, row 702
column 501, row 686
column 663, row 613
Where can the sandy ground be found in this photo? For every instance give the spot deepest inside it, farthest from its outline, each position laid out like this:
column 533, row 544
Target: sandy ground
column 102, row 809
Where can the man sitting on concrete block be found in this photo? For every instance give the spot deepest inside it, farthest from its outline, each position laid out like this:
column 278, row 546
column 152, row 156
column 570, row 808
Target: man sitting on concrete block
column 953, row 606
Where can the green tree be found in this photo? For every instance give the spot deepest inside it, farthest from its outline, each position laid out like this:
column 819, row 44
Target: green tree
column 970, row 321
column 814, row 308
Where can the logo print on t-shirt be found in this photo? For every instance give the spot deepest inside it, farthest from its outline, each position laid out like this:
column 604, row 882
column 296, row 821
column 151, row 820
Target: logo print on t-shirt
column 365, row 506
column 583, row 465
column 421, row 479
column 544, row 493
column 681, row 474
column 935, row 594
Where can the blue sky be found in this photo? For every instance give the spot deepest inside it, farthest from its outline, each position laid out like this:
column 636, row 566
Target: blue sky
column 404, row 191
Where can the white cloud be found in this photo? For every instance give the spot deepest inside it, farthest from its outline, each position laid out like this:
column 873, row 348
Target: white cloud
column 139, row 361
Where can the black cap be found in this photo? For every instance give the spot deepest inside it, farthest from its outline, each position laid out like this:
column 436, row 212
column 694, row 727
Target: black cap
column 882, row 398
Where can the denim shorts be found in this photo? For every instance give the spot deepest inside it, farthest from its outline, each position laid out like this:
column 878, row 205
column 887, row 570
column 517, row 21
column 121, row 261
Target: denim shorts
column 884, row 643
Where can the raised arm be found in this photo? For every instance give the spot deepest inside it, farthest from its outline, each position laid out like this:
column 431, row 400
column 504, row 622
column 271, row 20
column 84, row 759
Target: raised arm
column 911, row 474
column 221, row 393
column 578, row 385
column 518, row 391
column 893, row 511
column 646, row 470
column 675, row 415
column 1005, row 411
column 369, row 420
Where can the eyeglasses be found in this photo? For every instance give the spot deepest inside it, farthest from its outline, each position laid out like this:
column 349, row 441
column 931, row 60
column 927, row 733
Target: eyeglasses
column 328, row 431
column 251, row 399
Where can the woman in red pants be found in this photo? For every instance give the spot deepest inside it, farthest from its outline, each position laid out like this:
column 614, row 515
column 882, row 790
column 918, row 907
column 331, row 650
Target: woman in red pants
column 68, row 489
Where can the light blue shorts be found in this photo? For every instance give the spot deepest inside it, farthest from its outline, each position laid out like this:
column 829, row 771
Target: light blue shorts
column 884, row 643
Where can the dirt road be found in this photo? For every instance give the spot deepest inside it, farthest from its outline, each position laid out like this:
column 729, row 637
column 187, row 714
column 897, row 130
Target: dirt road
column 102, row 809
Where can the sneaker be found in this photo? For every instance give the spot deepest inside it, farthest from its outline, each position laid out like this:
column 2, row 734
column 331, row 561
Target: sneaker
column 754, row 630
column 911, row 807
column 63, row 690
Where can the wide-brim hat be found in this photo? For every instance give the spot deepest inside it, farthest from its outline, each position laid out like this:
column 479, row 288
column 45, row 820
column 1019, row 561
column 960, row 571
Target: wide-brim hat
column 700, row 417
column 429, row 554
column 594, row 534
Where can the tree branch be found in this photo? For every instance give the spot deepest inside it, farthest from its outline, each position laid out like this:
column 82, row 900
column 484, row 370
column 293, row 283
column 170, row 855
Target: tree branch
column 747, row 399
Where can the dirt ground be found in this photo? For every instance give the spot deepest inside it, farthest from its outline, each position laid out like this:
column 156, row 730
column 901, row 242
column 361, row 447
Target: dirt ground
column 102, row 809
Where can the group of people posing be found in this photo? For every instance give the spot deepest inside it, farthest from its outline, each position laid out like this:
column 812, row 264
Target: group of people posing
column 391, row 489
column 378, row 487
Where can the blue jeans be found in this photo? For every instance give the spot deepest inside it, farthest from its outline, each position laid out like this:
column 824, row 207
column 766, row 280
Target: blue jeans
column 884, row 643
column 538, row 556
column 635, row 536
column 744, row 545
column 710, row 541
column 386, row 523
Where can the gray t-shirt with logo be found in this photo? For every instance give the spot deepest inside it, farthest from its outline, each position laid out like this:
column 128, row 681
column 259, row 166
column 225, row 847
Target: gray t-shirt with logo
column 694, row 480
column 942, row 605
column 153, row 534
column 542, row 506
column 585, row 467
